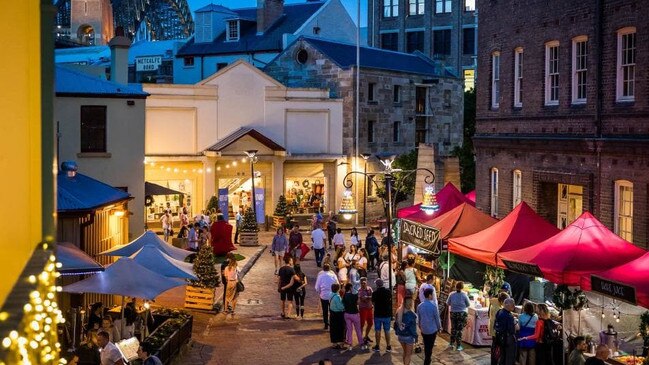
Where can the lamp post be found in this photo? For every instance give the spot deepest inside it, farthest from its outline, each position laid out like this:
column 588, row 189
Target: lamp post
column 429, row 204
column 252, row 156
column 365, row 157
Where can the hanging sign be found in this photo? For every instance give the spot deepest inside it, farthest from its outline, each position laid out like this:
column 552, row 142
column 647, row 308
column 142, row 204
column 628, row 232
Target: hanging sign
column 523, row 268
column 223, row 203
column 149, row 63
column 612, row 289
column 420, row 236
column 260, row 198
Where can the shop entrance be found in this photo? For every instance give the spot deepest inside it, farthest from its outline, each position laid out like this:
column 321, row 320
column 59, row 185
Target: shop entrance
column 239, row 192
column 305, row 195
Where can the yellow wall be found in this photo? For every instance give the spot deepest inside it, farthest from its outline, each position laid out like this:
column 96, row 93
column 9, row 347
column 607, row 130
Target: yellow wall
column 20, row 127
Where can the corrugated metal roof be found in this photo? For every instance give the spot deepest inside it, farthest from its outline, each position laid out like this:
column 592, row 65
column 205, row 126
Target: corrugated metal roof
column 72, row 82
column 83, row 193
column 239, row 133
column 100, row 55
column 295, row 15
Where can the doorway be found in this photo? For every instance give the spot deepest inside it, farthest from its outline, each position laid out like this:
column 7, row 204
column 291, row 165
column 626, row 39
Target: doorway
column 570, row 204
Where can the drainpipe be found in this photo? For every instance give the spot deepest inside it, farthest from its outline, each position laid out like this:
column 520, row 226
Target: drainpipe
column 599, row 18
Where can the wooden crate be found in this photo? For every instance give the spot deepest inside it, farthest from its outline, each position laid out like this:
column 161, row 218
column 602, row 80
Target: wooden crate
column 199, row 298
column 278, row 221
column 248, row 239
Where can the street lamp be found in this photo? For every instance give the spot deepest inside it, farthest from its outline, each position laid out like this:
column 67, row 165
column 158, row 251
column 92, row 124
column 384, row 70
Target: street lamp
column 348, row 207
column 365, row 157
column 252, row 157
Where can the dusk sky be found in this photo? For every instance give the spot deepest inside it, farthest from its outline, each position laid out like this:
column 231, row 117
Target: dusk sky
column 349, row 4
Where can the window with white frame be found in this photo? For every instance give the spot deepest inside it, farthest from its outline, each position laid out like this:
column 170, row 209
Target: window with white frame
column 494, row 192
column 518, row 77
column 233, row 31
column 626, row 64
column 469, row 5
column 390, row 8
column 495, row 80
column 442, row 6
column 416, row 7
column 579, row 69
column 552, row 73
column 624, row 209
column 517, row 187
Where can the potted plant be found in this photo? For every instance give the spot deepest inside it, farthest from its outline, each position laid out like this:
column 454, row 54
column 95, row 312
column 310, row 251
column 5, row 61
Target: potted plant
column 281, row 213
column 201, row 293
column 249, row 231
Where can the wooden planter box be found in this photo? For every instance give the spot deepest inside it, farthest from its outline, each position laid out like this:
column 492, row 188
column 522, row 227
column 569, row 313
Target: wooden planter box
column 278, row 221
column 249, row 238
column 169, row 350
column 200, row 298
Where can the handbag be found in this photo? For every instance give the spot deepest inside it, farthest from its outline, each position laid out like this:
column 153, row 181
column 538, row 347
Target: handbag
column 240, row 287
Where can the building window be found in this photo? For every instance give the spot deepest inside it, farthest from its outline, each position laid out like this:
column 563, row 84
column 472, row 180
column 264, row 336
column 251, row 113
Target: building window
column 421, row 130
column 221, row 65
column 188, row 61
column 396, row 132
column 469, row 79
column 494, row 192
column 626, row 64
column 390, row 8
column 495, row 80
column 624, row 209
column 442, row 6
column 442, row 42
column 390, row 41
column 93, row 128
column 552, row 73
column 233, row 31
column 579, row 69
column 396, row 94
column 370, row 131
column 517, row 188
column 420, row 99
column 416, row 7
column 371, row 91
column 468, row 41
column 469, row 5
column 518, row 77
column 415, row 41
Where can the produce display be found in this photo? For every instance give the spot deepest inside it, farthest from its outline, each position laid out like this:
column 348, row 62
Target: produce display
column 630, row 360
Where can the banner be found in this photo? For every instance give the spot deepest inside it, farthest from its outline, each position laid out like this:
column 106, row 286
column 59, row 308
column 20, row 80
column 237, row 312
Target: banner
column 259, row 205
column 223, row 202
column 524, row 268
column 612, row 289
column 420, row 236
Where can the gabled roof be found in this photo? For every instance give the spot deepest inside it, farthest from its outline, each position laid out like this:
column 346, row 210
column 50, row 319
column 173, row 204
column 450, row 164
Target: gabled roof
column 70, row 82
column 343, row 54
column 243, row 63
column 295, row 15
column 215, row 8
column 241, row 132
column 82, row 193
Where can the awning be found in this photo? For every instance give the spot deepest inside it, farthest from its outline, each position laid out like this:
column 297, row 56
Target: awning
column 155, row 189
column 586, row 246
column 75, row 261
column 147, row 238
column 448, row 198
column 460, row 221
column 471, row 196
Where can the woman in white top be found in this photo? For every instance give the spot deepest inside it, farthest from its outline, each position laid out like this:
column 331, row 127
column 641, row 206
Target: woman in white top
column 354, row 241
column 166, row 225
column 352, row 254
column 341, row 264
column 411, row 276
column 362, row 261
column 231, row 273
column 339, row 239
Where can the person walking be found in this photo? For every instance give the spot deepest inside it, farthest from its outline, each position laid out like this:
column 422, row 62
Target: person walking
column 429, row 323
column 459, row 303
column 339, row 239
column 352, row 317
column 336, row 318
column 238, row 220
column 285, row 285
column 224, row 279
column 299, row 289
column 371, row 246
column 231, row 274
column 354, row 277
column 318, row 237
column 166, row 225
column 365, row 309
column 542, row 336
column 385, row 271
column 192, row 237
column 526, row 325
column 382, row 301
column 278, row 248
column 405, row 325
column 326, row 278
column 506, row 333
column 331, row 228
column 353, row 239
column 401, row 283
column 430, row 279
column 295, row 240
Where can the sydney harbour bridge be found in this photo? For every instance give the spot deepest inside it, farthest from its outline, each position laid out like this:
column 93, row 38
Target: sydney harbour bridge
column 149, row 19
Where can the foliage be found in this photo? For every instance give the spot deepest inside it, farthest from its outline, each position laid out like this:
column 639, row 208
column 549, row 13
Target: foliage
column 171, row 313
column 494, row 278
column 564, row 299
column 579, row 300
column 213, row 204
column 204, row 268
column 644, row 327
column 281, row 210
column 249, row 223
column 164, row 332
column 465, row 153
column 403, row 186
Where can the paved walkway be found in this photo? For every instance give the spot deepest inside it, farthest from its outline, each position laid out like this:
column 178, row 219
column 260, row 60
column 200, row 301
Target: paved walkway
column 258, row 335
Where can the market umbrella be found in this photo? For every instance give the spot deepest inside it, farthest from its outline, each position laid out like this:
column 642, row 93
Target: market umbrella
column 448, row 198
column 586, row 246
column 74, row 261
column 521, row 228
column 159, row 262
column 147, row 238
column 471, row 196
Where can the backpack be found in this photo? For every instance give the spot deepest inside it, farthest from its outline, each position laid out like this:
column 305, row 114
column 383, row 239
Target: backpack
column 551, row 333
column 500, row 339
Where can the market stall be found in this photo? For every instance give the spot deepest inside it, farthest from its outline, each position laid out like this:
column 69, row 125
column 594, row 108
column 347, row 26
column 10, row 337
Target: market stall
column 157, row 197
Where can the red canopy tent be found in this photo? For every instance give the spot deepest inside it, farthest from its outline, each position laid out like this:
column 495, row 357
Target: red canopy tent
column 471, row 196
column 448, row 198
column 586, row 246
column 460, row 221
column 521, row 228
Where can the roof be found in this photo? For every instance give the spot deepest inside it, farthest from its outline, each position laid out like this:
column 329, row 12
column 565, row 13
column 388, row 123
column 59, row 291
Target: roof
column 241, row 132
column 155, row 189
column 295, row 15
column 215, row 8
column 100, row 55
column 463, row 220
column 74, row 260
column 343, row 54
column 70, row 82
column 83, row 193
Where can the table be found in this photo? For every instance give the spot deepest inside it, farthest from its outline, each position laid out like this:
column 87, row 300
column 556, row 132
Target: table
column 476, row 331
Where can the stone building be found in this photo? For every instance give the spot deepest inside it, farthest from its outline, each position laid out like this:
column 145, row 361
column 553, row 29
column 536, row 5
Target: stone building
column 444, row 30
column 405, row 99
column 573, row 136
column 91, row 21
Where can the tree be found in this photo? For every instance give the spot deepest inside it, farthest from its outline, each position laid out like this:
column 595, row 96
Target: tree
column 465, row 153
column 281, row 210
column 249, row 223
column 204, row 268
column 406, row 185
column 213, row 204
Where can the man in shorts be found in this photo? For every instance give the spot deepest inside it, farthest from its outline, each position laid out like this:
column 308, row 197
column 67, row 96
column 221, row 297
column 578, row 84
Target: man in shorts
column 382, row 300
column 284, row 285
column 365, row 308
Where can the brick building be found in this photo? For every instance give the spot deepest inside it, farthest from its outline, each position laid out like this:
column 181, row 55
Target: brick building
column 444, row 30
column 562, row 111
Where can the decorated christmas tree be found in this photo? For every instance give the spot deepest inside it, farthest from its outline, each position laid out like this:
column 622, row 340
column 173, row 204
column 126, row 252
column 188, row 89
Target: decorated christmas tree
column 249, row 223
column 281, row 210
column 213, row 204
column 204, row 268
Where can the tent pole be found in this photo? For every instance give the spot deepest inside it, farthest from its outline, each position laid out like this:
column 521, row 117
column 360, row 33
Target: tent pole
column 122, row 324
column 448, row 264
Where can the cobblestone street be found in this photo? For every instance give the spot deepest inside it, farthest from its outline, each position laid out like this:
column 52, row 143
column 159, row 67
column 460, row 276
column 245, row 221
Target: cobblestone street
column 257, row 334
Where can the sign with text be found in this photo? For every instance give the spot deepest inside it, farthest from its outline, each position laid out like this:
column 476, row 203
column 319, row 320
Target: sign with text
column 149, row 63
column 223, row 202
column 523, row 268
column 421, row 236
column 612, row 289
column 260, row 199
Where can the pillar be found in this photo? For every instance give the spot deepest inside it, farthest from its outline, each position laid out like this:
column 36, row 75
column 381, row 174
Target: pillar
column 426, row 159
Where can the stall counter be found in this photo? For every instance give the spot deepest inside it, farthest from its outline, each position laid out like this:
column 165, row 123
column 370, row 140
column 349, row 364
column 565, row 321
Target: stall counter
column 476, row 331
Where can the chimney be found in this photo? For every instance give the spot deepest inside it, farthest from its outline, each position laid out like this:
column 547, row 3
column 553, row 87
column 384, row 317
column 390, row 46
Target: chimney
column 119, row 57
column 268, row 11
column 70, row 168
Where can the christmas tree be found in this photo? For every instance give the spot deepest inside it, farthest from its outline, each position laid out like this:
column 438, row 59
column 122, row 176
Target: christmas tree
column 249, row 223
column 204, row 268
column 281, row 210
column 213, row 204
